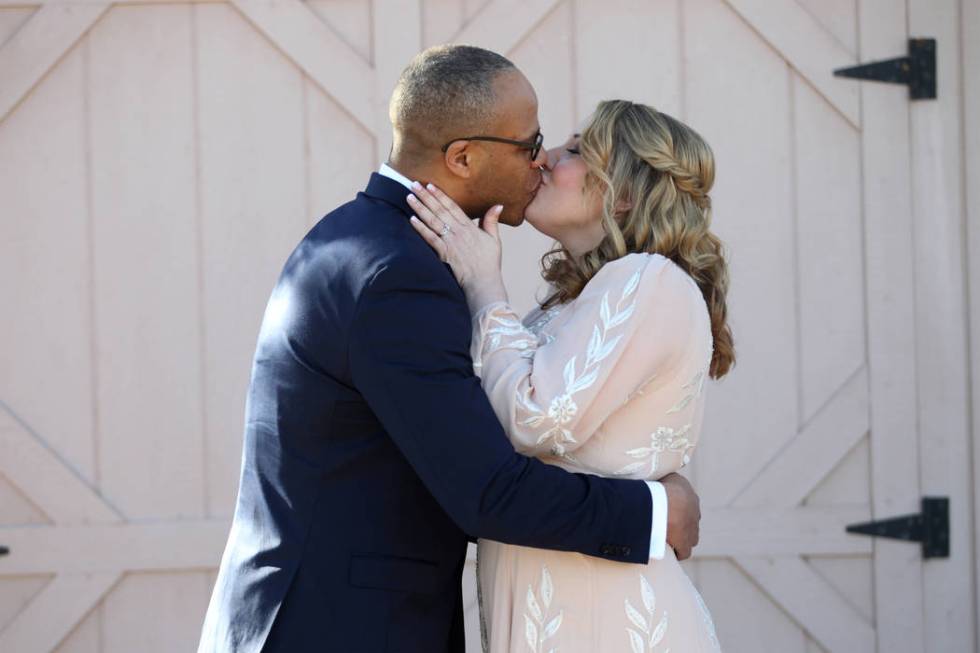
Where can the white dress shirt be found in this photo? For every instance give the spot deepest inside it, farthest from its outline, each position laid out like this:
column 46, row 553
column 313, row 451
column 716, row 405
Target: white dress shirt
column 658, row 532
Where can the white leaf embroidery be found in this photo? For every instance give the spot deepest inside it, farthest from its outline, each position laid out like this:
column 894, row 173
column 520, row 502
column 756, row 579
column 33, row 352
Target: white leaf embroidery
column 642, row 452
column 569, row 373
column 552, row 627
column 632, row 468
column 660, row 631
column 636, row 641
column 607, row 349
column 594, row 343
column 584, row 382
column 622, row 316
column 531, row 633
column 563, row 408
column 633, row 615
column 681, row 405
column 547, row 588
column 649, row 598
column 532, row 605
column 632, row 284
column 534, row 420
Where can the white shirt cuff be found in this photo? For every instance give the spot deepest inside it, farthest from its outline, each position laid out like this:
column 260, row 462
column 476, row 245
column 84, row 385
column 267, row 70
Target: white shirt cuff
column 658, row 533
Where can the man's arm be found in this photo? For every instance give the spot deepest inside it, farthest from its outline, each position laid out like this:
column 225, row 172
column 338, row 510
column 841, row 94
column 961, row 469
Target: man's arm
column 409, row 357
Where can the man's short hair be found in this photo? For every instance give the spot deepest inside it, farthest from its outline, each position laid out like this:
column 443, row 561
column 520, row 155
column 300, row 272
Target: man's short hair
column 446, row 92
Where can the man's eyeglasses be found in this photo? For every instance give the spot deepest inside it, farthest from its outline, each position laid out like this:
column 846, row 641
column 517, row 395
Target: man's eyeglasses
column 534, row 145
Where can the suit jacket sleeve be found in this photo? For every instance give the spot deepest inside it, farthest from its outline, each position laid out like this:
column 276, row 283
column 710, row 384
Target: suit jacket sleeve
column 410, row 359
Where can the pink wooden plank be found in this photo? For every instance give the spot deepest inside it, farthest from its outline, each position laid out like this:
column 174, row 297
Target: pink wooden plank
column 941, row 323
column 38, row 45
column 253, row 212
column 45, row 272
column 891, row 328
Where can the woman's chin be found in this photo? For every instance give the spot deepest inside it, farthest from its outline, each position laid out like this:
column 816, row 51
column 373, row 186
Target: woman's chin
column 533, row 212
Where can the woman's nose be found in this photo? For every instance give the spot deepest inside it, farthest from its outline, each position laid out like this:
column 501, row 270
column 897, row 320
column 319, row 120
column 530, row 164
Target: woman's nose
column 552, row 157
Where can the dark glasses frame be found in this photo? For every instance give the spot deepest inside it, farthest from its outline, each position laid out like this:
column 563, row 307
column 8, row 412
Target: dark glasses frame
column 534, row 145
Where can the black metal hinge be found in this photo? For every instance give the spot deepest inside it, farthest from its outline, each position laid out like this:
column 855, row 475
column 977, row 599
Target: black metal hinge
column 4, row 550
column 918, row 70
column 931, row 527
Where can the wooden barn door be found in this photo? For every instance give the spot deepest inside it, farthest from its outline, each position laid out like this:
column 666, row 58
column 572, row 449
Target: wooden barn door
column 847, row 307
column 823, row 194
column 158, row 160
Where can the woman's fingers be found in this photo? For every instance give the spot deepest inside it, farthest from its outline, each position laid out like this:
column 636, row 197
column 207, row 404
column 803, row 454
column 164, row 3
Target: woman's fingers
column 441, row 204
column 430, row 237
column 434, row 222
column 429, row 201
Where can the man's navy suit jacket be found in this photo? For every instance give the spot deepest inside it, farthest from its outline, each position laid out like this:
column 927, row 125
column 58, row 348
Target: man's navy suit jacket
column 371, row 451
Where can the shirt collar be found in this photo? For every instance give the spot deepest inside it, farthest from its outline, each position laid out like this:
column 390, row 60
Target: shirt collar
column 389, row 172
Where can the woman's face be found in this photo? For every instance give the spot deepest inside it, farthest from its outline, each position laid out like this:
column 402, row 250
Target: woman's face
column 564, row 208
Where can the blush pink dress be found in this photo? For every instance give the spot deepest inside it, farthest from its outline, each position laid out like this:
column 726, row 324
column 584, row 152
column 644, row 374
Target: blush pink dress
column 609, row 384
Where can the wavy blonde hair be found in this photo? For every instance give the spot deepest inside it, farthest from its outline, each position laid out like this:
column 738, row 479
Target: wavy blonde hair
column 661, row 170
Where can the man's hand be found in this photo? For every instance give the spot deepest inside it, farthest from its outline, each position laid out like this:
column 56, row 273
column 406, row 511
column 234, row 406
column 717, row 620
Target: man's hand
column 683, row 515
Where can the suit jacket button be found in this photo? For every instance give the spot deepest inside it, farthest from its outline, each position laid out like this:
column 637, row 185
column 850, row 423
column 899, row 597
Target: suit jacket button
column 606, row 550
column 626, row 551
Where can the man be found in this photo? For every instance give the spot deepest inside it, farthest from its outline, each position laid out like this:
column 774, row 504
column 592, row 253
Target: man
column 371, row 450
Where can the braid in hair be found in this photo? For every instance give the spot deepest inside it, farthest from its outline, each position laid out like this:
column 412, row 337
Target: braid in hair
column 663, row 171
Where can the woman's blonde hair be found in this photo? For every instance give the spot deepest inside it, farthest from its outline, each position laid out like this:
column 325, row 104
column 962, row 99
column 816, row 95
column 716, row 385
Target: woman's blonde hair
column 654, row 174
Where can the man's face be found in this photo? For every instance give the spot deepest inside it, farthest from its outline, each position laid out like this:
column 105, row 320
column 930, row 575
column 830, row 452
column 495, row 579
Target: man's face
column 509, row 176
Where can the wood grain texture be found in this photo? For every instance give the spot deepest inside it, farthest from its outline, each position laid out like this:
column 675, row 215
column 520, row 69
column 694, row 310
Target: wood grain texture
column 891, row 328
column 941, row 310
column 55, row 611
column 38, row 45
column 970, row 52
column 807, row 46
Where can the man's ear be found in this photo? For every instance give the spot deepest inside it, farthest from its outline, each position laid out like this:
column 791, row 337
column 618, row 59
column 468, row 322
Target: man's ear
column 459, row 159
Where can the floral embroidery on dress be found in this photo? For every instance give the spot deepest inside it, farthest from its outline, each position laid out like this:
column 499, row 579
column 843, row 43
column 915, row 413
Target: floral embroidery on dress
column 646, row 636
column 563, row 408
column 664, row 440
column 538, row 626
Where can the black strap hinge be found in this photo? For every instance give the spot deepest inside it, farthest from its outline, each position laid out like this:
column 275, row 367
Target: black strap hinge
column 918, row 70
column 930, row 527
column 4, row 551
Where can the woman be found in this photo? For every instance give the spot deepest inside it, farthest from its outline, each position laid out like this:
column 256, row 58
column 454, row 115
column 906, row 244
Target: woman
column 607, row 375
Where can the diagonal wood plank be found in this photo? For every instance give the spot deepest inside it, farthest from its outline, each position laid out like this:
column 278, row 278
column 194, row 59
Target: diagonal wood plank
column 806, row 460
column 812, row 602
column 49, row 482
column 38, row 45
column 782, row 531
column 495, row 28
column 184, row 544
column 55, row 611
column 808, row 47
column 310, row 43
